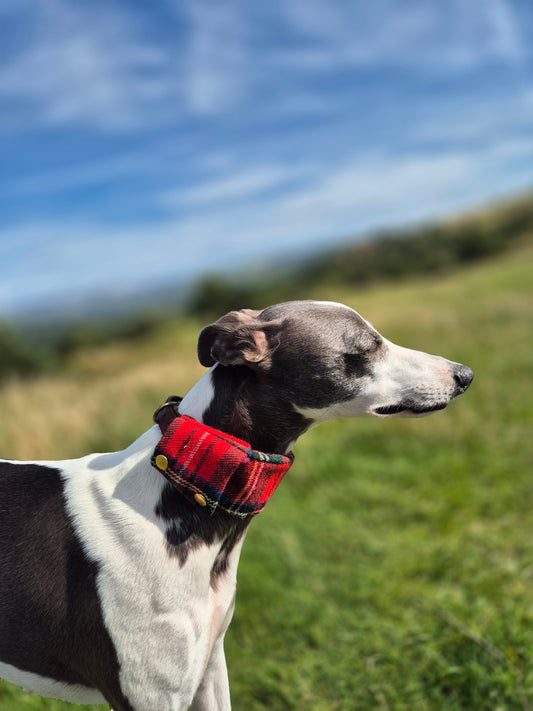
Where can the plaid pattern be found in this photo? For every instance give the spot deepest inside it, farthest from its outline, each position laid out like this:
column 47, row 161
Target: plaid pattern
column 222, row 471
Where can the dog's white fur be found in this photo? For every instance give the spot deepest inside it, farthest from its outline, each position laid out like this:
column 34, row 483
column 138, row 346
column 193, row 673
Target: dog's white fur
column 166, row 621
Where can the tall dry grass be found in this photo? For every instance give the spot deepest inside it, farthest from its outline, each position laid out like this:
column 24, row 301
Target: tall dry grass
column 101, row 401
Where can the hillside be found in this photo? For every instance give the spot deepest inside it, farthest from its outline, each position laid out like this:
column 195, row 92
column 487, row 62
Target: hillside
column 393, row 569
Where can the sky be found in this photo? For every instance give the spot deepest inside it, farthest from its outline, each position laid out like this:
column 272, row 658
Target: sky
column 146, row 143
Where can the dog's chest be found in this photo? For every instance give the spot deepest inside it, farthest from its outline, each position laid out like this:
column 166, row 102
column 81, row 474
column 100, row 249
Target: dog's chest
column 163, row 612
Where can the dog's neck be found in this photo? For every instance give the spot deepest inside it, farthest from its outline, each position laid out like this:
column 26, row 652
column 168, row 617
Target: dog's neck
column 233, row 399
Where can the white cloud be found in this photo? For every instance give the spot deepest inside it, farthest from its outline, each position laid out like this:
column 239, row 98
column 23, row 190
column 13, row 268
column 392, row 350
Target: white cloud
column 86, row 67
column 243, row 184
column 149, row 163
column 506, row 37
column 214, row 73
column 456, row 35
column 103, row 69
column 484, row 120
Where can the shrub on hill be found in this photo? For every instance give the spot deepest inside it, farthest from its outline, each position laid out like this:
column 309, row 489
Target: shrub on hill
column 16, row 354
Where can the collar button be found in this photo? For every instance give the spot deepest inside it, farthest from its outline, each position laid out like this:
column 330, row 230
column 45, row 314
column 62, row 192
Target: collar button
column 161, row 462
column 200, row 499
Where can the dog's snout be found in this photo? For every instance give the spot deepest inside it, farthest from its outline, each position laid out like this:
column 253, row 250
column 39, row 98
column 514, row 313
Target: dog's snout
column 463, row 377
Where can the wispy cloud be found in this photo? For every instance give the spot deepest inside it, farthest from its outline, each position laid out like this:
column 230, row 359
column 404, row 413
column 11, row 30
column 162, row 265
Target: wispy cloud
column 249, row 183
column 85, row 67
column 506, row 36
column 93, row 172
column 485, row 120
column 214, row 75
column 455, row 35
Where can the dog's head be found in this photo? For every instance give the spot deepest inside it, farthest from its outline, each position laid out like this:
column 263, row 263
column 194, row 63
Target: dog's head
column 328, row 362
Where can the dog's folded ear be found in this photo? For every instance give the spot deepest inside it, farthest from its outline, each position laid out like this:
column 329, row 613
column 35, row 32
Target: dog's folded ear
column 238, row 338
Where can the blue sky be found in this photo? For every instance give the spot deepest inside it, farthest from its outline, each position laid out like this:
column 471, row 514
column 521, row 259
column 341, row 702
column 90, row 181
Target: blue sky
column 144, row 143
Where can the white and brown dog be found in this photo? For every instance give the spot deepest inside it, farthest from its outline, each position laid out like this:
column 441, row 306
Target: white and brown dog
column 117, row 587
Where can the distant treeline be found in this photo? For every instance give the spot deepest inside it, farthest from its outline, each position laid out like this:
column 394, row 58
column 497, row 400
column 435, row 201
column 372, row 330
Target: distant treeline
column 400, row 254
column 391, row 255
column 33, row 351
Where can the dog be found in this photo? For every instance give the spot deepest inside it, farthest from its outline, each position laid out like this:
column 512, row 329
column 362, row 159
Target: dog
column 118, row 576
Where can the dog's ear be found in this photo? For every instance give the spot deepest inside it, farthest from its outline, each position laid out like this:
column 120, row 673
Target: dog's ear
column 238, row 338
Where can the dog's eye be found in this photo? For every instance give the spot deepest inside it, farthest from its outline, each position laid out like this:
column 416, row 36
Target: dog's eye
column 364, row 342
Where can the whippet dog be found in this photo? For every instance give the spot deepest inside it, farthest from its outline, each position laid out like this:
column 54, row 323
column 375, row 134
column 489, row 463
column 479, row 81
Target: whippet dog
column 117, row 585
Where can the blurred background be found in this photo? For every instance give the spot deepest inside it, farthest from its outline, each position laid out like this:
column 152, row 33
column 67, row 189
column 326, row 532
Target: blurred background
column 165, row 162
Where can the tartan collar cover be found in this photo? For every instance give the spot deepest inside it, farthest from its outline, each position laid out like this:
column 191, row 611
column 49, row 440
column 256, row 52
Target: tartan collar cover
column 214, row 470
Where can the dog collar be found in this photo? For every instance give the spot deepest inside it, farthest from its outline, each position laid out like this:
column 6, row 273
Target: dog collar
column 214, row 470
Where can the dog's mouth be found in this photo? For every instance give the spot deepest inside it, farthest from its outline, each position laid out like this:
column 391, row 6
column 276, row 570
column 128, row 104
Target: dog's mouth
column 408, row 409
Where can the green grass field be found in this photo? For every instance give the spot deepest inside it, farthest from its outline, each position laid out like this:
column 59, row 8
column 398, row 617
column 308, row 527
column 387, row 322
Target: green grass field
column 394, row 567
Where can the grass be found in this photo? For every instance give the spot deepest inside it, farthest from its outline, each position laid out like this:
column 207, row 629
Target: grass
column 394, row 567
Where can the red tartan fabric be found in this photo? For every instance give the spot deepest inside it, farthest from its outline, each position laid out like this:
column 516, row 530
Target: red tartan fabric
column 224, row 470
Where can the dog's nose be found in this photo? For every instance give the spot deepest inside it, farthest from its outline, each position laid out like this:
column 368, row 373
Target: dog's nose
column 463, row 377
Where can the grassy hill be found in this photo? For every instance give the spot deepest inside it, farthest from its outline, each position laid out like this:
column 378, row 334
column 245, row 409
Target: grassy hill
column 394, row 567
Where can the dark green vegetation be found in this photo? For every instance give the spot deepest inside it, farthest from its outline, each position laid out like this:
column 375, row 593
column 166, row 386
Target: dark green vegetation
column 42, row 348
column 16, row 355
column 393, row 569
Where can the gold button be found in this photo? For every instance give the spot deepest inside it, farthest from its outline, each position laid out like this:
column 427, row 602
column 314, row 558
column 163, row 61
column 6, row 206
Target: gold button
column 200, row 500
column 161, row 462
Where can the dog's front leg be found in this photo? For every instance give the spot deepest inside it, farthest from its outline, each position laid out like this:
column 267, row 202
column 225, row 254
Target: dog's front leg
column 213, row 692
